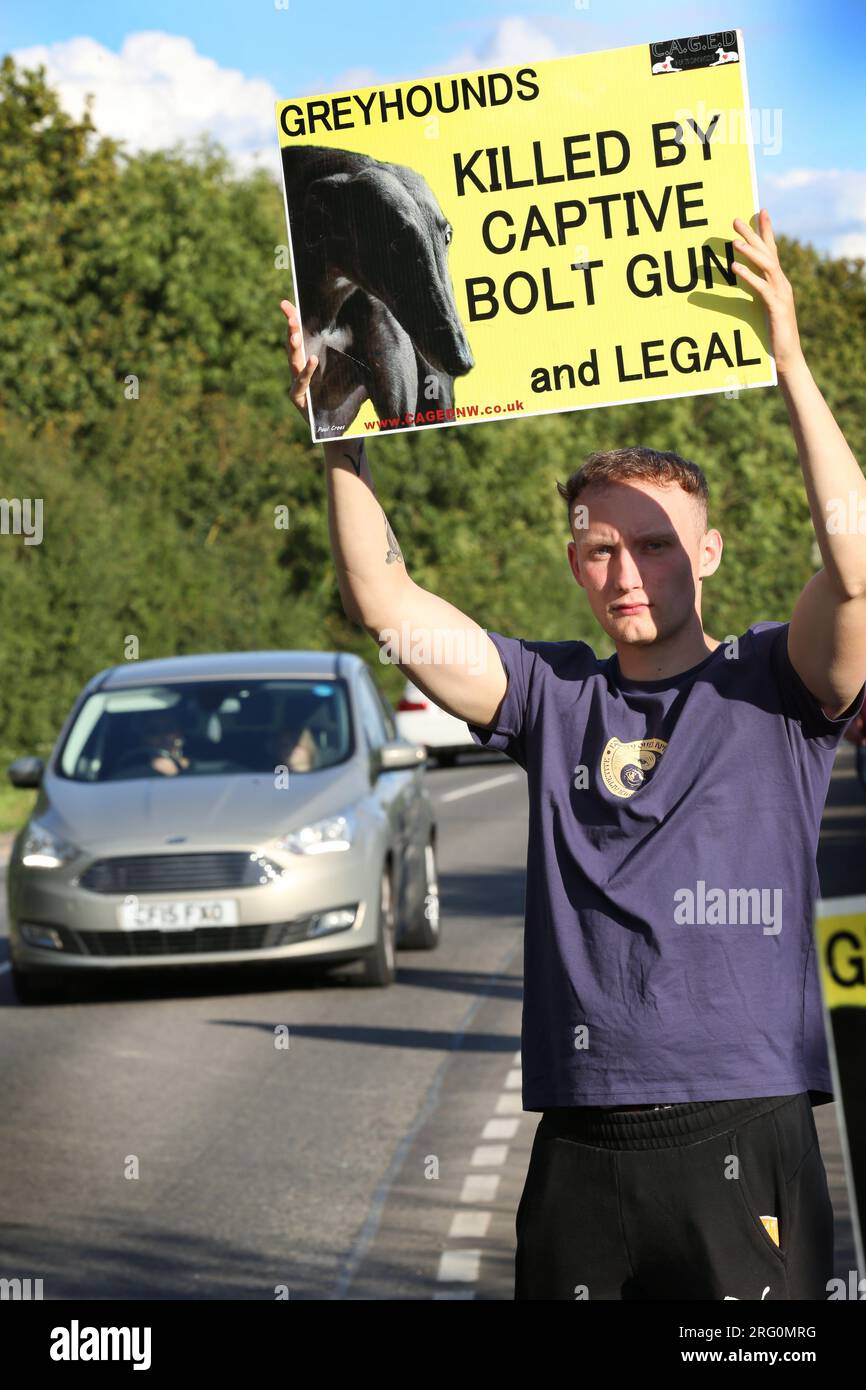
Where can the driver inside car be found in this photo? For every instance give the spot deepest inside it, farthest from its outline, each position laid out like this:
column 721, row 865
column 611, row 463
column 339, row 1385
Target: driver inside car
column 161, row 748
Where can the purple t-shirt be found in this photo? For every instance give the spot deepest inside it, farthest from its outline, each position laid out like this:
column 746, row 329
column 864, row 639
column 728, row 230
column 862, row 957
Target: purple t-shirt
column 669, row 950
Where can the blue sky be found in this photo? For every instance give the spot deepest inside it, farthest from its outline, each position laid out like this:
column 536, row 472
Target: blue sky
column 164, row 71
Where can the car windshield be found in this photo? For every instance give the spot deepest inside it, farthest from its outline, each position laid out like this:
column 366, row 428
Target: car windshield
column 208, row 728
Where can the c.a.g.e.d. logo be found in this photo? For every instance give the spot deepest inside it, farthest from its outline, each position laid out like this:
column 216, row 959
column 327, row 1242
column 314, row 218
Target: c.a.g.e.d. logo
column 698, row 51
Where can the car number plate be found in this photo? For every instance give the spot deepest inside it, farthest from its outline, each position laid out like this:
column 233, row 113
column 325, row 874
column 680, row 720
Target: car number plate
column 178, row 916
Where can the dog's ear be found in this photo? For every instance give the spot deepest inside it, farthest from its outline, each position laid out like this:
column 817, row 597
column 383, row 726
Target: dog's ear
column 324, row 220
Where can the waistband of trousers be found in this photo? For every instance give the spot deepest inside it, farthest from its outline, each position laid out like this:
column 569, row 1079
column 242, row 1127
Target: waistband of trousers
column 688, row 1122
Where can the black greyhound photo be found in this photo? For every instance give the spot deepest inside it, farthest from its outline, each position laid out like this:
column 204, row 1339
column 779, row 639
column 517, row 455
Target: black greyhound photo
column 370, row 246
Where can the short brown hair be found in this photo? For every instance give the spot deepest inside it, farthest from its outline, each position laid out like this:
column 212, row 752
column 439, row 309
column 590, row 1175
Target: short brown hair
column 635, row 461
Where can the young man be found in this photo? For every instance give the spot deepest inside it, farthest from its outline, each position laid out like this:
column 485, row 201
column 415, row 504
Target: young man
column 672, row 1028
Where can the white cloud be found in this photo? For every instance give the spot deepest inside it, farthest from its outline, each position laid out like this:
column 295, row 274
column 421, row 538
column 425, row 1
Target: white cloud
column 512, row 42
column 158, row 90
column 851, row 244
column 824, row 206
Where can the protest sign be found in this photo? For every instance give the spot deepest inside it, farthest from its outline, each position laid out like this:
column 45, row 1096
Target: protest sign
column 840, row 938
column 511, row 242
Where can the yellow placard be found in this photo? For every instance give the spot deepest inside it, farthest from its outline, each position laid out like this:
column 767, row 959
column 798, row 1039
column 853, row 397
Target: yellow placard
column 513, row 242
column 771, row 1226
column 840, row 926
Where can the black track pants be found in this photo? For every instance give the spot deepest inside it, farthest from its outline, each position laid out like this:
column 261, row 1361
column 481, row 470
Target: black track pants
column 667, row 1204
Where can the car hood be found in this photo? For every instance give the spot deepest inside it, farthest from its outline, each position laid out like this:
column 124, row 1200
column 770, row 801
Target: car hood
column 243, row 809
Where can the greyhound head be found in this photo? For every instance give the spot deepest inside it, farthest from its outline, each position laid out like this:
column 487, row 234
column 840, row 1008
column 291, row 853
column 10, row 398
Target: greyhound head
column 382, row 228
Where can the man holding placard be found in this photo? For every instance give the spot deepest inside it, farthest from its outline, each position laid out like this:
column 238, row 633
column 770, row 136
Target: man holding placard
column 672, row 1030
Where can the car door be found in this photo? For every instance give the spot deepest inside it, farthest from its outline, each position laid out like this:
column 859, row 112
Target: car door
column 392, row 791
column 419, row 820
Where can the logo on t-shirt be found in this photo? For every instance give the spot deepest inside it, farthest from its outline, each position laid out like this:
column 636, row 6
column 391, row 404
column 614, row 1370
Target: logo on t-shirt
column 625, row 767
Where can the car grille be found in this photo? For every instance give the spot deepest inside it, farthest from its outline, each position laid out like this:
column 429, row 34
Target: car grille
column 198, row 940
column 161, row 873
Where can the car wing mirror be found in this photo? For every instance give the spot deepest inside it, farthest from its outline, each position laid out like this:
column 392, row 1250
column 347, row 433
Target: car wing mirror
column 399, row 753
column 26, row 772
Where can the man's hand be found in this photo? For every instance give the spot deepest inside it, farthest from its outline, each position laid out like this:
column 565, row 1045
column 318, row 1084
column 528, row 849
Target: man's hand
column 301, row 371
column 773, row 288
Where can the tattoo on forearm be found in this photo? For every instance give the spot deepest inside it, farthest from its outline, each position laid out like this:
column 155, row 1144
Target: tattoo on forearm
column 356, row 462
column 394, row 552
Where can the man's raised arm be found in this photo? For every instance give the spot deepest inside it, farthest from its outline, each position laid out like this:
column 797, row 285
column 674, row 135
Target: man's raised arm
column 827, row 631
column 440, row 649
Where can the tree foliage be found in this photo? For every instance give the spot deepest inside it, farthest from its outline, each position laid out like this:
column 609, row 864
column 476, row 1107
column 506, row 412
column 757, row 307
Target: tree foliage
column 161, row 498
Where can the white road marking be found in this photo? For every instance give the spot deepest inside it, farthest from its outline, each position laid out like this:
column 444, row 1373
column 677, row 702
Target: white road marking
column 480, row 1187
column 500, row 1129
column 509, row 1104
column 464, row 1266
column 459, row 1266
column 428, row 1107
column 489, row 1156
column 470, row 1223
column 455, row 1293
column 479, row 787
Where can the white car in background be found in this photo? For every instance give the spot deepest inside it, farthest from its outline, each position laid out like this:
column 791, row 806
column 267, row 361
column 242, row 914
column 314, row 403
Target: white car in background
column 443, row 735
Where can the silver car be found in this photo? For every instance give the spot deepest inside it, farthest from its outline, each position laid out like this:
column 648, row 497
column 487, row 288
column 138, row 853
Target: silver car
column 247, row 806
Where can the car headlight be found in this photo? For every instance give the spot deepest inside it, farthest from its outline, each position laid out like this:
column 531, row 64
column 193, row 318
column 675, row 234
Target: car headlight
column 322, row 837
column 42, row 849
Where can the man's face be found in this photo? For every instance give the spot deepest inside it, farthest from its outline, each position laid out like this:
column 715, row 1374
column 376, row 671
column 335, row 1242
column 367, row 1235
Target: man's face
column 639, row 551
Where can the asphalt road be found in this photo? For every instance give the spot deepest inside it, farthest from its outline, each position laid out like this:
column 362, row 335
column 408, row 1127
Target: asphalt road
column 381, row 1155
